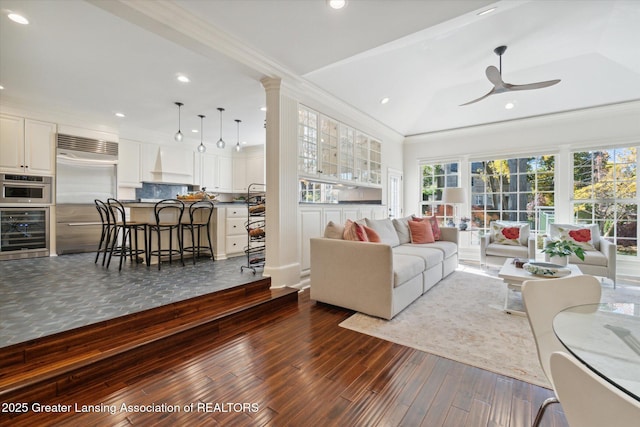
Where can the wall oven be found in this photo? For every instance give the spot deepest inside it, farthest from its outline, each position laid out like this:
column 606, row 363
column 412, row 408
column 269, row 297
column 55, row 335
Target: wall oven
column 24, row 232
column 21, row 189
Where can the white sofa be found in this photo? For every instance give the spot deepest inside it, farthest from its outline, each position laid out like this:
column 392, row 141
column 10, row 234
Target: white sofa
column 380, row 279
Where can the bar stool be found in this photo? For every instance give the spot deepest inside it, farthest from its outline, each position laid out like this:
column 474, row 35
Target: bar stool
column 199, row 217
column 107, row 230
column 128, row 228
column 168, row 216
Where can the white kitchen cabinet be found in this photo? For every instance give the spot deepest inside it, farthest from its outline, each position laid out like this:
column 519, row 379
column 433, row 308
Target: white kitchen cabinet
column 216, row 173
column 310, row 226
column 236, row 233
column 240, row 175
column 149, row 154
column 248, row 169
column 27, row 146
column 129, row 164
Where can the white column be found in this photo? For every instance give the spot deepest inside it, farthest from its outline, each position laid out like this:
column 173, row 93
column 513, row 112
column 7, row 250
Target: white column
column 563, row 188
column 281, row 157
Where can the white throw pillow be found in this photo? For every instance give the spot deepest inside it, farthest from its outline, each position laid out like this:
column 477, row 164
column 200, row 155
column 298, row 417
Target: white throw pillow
column 502, row 233
column 386, row 231
column 586, row 236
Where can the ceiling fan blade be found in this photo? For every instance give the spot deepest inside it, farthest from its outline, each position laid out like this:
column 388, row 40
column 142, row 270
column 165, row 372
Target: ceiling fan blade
column 530, row 86
column 494, row 76
column 491, row 92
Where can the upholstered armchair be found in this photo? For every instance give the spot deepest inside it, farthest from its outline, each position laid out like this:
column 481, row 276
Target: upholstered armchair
column 506, row 240
column 599, row 253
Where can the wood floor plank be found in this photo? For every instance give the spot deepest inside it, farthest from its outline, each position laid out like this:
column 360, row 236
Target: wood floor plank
column 302, row 369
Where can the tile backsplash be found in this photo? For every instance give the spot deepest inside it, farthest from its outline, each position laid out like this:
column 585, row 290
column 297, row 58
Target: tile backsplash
column 160, row 191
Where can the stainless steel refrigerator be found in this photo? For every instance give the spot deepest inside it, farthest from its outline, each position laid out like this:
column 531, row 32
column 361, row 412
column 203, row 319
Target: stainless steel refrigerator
column 86, row 170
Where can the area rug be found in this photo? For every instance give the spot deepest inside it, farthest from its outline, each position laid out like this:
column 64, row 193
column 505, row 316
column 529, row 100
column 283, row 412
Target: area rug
column 461, row 319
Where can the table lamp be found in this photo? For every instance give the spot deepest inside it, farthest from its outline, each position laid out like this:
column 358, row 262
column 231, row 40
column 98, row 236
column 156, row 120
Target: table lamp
column 454, row 196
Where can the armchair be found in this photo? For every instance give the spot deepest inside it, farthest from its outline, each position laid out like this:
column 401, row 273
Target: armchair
column 504, row 241
column 599, row 253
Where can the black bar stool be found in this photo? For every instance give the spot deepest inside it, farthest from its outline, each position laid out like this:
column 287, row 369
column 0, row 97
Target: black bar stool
column 168, row 216
column 107, row 230
column 127, row 246
column 199, row 217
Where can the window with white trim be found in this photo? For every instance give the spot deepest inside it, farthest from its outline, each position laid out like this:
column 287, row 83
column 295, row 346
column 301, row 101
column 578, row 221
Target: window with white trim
column 435, row 178
column 605, row 193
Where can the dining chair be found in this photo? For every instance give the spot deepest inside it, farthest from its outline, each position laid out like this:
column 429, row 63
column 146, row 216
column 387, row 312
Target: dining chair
column 543, row 299
column 129, row 244
column 199, row 219
column 104, row 246
column 587, row 399
column 168, row 217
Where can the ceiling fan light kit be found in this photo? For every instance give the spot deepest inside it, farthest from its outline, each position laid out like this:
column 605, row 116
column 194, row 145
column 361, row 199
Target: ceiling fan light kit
column 499, row 86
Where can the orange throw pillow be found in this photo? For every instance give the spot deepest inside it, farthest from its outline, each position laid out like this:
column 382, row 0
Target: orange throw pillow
column 421, row 232
column 435, row 228
column 371, row 234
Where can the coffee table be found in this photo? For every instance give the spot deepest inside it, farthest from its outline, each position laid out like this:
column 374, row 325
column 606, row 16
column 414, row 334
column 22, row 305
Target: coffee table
column 514, row 277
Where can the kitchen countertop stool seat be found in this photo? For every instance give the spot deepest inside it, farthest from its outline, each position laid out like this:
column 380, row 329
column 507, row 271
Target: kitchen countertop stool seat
column 104, row 246
column 168, row 218
column 200, row 214
column 128, row 245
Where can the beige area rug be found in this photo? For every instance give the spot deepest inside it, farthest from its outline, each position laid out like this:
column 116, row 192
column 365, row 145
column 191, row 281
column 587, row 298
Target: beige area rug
column 461, row 319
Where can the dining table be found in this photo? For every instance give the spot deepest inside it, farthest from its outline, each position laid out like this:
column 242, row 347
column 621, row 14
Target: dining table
column 606, row 338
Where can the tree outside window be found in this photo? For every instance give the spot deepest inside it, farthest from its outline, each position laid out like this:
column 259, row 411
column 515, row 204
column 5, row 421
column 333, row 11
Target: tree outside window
column 605, row 193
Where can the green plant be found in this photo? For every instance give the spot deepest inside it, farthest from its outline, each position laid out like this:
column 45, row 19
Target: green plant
column 563, row 248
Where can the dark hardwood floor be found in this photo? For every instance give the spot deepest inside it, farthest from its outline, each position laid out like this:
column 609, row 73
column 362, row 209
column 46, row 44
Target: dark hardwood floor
column 296, row 367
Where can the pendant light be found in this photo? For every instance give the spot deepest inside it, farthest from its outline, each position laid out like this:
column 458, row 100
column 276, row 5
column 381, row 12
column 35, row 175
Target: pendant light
column 238, row 148
column 178, row 135
column 201, row 147
column 221, row 143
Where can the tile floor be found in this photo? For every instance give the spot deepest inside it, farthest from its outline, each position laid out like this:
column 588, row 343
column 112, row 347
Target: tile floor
column 41, row 296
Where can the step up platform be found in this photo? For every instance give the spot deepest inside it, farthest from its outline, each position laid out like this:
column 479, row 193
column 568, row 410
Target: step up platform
column 43, row 368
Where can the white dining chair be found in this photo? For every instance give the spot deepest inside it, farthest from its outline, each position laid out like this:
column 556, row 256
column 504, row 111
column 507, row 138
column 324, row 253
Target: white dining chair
column 587, row 399
column 543, row 299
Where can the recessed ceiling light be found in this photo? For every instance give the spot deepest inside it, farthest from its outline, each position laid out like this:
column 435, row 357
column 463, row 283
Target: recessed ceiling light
column 485, row 12
column 263, row 108
column 1, row 87
column 384, row 100
column 120, row 115
column 509, row 105
column 18, row 18
column 195, row 130
column 337, row 4
column 182, row 78
column 244, row 143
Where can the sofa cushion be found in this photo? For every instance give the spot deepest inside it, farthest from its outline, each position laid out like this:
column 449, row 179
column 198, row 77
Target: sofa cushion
column 585, row 236
column 432, row 256
column 435, row 227
column 405, row 268
column 385, row 229
column 421, row 232
column 402, row 228
column 333, row 230
column 371, row 234
column 447, row 248
column 496, row 249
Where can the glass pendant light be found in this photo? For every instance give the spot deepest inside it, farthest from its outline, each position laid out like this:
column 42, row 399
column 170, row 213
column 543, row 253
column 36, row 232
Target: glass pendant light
column 201, row 147
column 178, row 135
column 221, row 143
column 238, row 148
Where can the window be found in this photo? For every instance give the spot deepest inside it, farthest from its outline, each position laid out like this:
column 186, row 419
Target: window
column 317, row 192
column 605, row 193
column 518, row 189
column 435, row 178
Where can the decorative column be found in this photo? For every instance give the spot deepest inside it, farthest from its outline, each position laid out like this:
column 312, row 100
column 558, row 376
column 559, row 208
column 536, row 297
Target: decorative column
column 281, row 154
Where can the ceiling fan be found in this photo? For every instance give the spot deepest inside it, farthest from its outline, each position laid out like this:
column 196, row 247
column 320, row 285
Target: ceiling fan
column 499, row 86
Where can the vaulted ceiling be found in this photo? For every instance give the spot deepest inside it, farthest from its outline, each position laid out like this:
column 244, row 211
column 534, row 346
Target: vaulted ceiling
column 94, row 58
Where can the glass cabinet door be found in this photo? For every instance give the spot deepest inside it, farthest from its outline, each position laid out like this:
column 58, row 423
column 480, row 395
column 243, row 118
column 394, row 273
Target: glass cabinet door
column 307, row 142
column 328, row 147
column 375, row 162
column 347, row 141
column 362, row 157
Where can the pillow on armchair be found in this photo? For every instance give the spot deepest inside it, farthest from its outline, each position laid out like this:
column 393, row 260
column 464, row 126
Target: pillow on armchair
column 586, row 236
column 509, row 233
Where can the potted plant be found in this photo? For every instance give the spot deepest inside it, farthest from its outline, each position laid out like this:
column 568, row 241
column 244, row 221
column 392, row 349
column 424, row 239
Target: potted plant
column 559, row 250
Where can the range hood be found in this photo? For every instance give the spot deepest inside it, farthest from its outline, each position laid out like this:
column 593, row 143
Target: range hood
column 173, row 166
